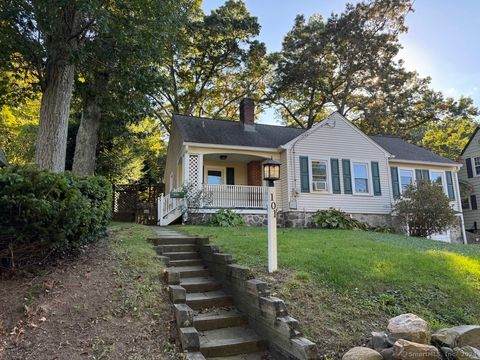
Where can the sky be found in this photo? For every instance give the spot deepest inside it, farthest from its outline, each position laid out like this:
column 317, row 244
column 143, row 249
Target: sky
column 443, row 40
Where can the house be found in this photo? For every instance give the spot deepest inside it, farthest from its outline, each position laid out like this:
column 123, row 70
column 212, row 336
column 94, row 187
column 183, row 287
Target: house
column 3, row 159
column 333, row 164
column 469, row 177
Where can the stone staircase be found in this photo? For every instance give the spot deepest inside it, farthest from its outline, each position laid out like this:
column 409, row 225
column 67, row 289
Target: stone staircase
column 210, row 326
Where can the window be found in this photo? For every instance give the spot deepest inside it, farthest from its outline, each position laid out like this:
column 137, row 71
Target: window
column 319, row 176
column 406, row 179
column 466, row 203
column 477, row 165
column 436, row 177
column 360, row 174
column 214, row 177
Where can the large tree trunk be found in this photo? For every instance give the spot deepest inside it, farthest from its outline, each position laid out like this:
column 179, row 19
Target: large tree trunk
column 87, row 138
column 55, row 108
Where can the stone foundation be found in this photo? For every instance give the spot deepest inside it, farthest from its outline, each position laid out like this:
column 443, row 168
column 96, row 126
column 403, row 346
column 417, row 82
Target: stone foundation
column 299, row 219
column 248, row 219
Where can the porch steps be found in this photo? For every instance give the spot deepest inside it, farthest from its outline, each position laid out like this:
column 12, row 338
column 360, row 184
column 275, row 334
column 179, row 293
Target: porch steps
column 167, row 240
column 223, row 331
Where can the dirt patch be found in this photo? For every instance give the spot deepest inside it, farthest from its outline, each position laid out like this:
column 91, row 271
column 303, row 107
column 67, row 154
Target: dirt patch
column 88, row 308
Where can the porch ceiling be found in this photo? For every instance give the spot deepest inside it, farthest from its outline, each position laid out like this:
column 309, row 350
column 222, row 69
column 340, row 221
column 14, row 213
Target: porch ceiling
column 233, row 157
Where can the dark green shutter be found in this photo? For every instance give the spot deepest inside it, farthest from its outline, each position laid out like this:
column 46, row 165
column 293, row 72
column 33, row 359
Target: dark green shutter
column 468, row 161
column 395, row 182
column 335, row 176
column 377, row 190
column 418, row 175
column 426, row 175
column 304, row 177
column 230, row 176
column 347, row 176
column 451, row 192
column 473, row 202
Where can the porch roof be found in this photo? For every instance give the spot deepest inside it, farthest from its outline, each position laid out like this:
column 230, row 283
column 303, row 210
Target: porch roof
column 227, row 132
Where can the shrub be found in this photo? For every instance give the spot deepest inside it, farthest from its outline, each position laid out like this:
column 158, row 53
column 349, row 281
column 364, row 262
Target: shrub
column 226, row 218
column 43, row 214
column 336, row 219
column 425, row 209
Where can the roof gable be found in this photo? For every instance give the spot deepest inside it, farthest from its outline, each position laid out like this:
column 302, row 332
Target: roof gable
column 470, row 140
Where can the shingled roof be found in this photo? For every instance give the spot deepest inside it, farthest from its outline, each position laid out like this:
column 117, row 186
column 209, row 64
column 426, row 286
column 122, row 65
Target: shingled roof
column 403, row 150
column 226, row 132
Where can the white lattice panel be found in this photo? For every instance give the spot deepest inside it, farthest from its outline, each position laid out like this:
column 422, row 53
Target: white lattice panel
column 194, row 170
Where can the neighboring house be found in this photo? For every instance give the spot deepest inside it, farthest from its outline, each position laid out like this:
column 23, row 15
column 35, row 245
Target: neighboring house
column 3, row 158
column 333, row 164
column 469, row 175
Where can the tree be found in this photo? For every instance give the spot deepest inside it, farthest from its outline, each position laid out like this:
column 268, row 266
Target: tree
column 116, row 73
column 325, row 65
column 425, row 209
column 45, row 38
column 215, row 64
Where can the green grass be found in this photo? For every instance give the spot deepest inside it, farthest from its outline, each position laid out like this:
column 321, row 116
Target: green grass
column 371, row 275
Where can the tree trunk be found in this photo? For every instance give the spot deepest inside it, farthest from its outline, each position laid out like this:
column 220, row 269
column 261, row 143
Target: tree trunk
column 87, row 138
column 54, row 112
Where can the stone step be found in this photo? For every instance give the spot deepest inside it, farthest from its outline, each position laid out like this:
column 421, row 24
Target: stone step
column 178, row 248
column 219, row 319
column 230, row 341
column 191, row 271
column 193, row 262
column 209, row 299
column 200, row 284
column 182, row 255
column 173, row 240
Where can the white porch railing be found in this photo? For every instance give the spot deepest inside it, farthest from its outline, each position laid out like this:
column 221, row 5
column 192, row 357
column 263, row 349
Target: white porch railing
column 168, row 209
column 236, row 196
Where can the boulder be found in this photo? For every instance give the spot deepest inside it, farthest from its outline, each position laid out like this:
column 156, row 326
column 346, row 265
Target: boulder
column 380, row 341
column 409, row 327
column 387, row 354
column 362, row 353
column 458, row 336
column 467, row 353
column 447, row 353
column 408, row 350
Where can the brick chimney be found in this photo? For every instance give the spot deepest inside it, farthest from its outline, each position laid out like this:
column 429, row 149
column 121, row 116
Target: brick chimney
column 247, row 114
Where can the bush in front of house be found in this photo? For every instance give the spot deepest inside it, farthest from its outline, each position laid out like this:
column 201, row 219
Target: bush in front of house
column 336, row 219
column 43, row 215
column 425, row 209
column 226, row 218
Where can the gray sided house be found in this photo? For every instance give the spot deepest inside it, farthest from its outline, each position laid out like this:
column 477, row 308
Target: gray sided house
column 3, row 158
column 333, row 164
column 469, row 176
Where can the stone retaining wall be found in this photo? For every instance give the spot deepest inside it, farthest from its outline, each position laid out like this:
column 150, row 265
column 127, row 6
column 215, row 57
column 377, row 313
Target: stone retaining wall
column 266, row 314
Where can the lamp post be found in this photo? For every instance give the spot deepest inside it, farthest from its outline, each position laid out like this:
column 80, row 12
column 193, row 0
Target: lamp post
column 271, row 173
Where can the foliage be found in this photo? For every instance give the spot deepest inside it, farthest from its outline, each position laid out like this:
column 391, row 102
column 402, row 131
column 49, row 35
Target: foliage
column 213, row 66
column 44, row 214
column 425, row 209
column 195, row 198
column 226, row 218
column 335, row 219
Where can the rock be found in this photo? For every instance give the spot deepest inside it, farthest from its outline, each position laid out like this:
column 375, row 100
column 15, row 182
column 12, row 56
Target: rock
column 458, row 336
column 447, row 352
column 379, row 341
column 408, row 350
column 362, row 353
column 467, row 353
column 409, row 327
column 387, row 354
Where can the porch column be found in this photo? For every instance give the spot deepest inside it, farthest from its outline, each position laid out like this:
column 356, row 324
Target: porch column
column 193, row 168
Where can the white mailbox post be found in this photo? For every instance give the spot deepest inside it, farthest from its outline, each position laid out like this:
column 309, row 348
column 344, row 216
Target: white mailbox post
column 271, row 173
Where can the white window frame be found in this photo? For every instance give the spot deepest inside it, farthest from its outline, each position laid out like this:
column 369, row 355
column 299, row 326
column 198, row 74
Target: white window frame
column 368, row 164
column 414, row 178
column 223, row 170
column 310, row 170
column 444, row 179
column 475, row 165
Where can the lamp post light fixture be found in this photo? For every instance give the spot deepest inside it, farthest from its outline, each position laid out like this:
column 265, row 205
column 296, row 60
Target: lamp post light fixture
column 271, row 173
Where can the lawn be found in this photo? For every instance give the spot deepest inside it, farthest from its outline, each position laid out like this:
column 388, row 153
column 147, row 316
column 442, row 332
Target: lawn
column 343, row 284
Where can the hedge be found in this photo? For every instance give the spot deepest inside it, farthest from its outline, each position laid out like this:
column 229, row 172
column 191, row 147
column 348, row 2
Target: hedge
column 44, row 215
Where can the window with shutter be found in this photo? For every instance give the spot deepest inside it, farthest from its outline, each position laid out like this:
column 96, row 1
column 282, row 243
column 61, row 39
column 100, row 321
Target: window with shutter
column 450, row 189
column 377, row 190
column 304, row 176
column 335, row 176
column 347, row 176
column 395, row 182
